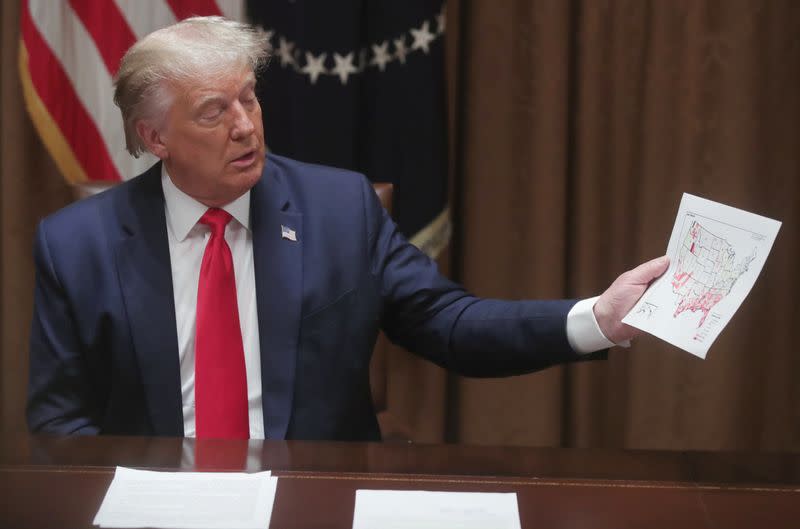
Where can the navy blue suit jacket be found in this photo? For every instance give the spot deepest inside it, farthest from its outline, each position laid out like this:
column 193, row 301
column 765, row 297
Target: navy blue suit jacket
column 104, row 348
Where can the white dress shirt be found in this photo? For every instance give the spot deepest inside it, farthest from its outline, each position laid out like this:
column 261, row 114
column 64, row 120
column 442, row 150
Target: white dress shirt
column 187, row 243
column 583, row 332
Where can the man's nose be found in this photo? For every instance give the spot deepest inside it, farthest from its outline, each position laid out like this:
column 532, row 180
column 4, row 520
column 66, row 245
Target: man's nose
column 243, row 125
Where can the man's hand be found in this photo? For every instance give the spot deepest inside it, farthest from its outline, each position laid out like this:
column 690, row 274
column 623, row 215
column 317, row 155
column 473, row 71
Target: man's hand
column 622, row 295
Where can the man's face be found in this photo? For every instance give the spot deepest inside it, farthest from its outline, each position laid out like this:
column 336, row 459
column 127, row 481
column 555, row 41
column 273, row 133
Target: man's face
column 212, row 141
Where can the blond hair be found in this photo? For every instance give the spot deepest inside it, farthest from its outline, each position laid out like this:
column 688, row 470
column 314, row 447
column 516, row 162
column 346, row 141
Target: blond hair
column 194, row 48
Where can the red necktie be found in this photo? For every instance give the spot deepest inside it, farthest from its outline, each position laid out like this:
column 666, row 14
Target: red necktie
column 220, row 380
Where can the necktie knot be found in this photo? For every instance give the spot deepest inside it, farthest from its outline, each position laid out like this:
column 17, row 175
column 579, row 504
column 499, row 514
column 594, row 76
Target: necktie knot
column 216, row 219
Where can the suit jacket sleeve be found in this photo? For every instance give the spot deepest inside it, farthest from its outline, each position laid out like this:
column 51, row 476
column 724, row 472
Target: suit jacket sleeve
column 436, row 318
column 59, row 399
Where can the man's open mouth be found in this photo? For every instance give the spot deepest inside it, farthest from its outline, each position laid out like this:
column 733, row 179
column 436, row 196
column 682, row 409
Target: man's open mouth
column 245, row 159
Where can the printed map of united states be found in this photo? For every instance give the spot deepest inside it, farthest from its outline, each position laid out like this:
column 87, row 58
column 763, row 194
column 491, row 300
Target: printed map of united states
column 706, row 271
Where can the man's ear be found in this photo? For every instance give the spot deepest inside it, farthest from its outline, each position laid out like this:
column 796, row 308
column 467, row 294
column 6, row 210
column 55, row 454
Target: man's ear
column 152, row 139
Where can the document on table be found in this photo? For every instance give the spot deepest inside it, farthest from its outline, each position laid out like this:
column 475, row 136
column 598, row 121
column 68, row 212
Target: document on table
column 188, row 500
column 716, row 253
column 416, row 509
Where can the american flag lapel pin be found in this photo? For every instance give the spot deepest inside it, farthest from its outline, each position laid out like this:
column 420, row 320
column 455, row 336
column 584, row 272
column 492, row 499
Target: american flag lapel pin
column 288, row 233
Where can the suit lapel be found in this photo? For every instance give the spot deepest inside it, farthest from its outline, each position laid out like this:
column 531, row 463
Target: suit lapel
column 143, row 264
column 278, row 266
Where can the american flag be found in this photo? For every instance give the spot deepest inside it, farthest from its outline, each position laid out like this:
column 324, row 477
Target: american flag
column 69, row 53
column 288, row 233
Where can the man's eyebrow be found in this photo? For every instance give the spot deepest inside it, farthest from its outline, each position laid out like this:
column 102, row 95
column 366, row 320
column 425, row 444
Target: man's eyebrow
column 208, row 100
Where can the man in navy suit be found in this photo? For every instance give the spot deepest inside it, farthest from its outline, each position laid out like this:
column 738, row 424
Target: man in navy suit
column 319, row 267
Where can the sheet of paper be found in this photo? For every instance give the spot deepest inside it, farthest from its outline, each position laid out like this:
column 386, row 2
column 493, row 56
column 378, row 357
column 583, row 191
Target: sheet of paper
column 416, row 509
column 716, row 253
column 186, row 500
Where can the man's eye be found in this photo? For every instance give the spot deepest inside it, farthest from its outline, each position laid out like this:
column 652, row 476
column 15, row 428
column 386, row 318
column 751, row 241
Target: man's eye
column 211, row 113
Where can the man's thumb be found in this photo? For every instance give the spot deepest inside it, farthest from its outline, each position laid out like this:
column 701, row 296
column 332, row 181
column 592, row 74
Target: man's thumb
column 646, row 272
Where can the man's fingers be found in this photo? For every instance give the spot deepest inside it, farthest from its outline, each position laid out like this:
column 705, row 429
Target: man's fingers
column 622, row 295
column 646, row 272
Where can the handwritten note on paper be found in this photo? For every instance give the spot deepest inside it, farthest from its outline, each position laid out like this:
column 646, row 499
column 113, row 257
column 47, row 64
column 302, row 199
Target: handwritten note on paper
column 187, row 500
column 395, row 509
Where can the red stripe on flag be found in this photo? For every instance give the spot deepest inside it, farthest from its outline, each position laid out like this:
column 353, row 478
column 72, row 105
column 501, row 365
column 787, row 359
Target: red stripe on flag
column 187, row 8
column 108, row 28
column 57, row 93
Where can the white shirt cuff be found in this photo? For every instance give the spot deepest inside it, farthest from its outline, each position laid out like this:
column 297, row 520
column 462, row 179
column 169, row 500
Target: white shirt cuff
column 583, row 333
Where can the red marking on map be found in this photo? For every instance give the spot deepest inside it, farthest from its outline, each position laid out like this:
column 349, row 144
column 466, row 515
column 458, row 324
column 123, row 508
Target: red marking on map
column 704, row 303
column 705, row 271
column 680, row 279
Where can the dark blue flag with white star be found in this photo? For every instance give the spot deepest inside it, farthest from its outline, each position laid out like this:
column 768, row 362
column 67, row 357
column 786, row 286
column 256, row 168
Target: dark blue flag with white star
column 360, row 84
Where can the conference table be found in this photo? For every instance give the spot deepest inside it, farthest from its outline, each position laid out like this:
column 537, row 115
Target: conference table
column 59, row 482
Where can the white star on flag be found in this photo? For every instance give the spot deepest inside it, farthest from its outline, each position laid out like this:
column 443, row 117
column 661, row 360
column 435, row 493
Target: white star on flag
column 344, row 66
column 382, row 57
column 357, row 61
column 285, row 51
column 422, row 37
column 400, row 49
column 314, row 66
